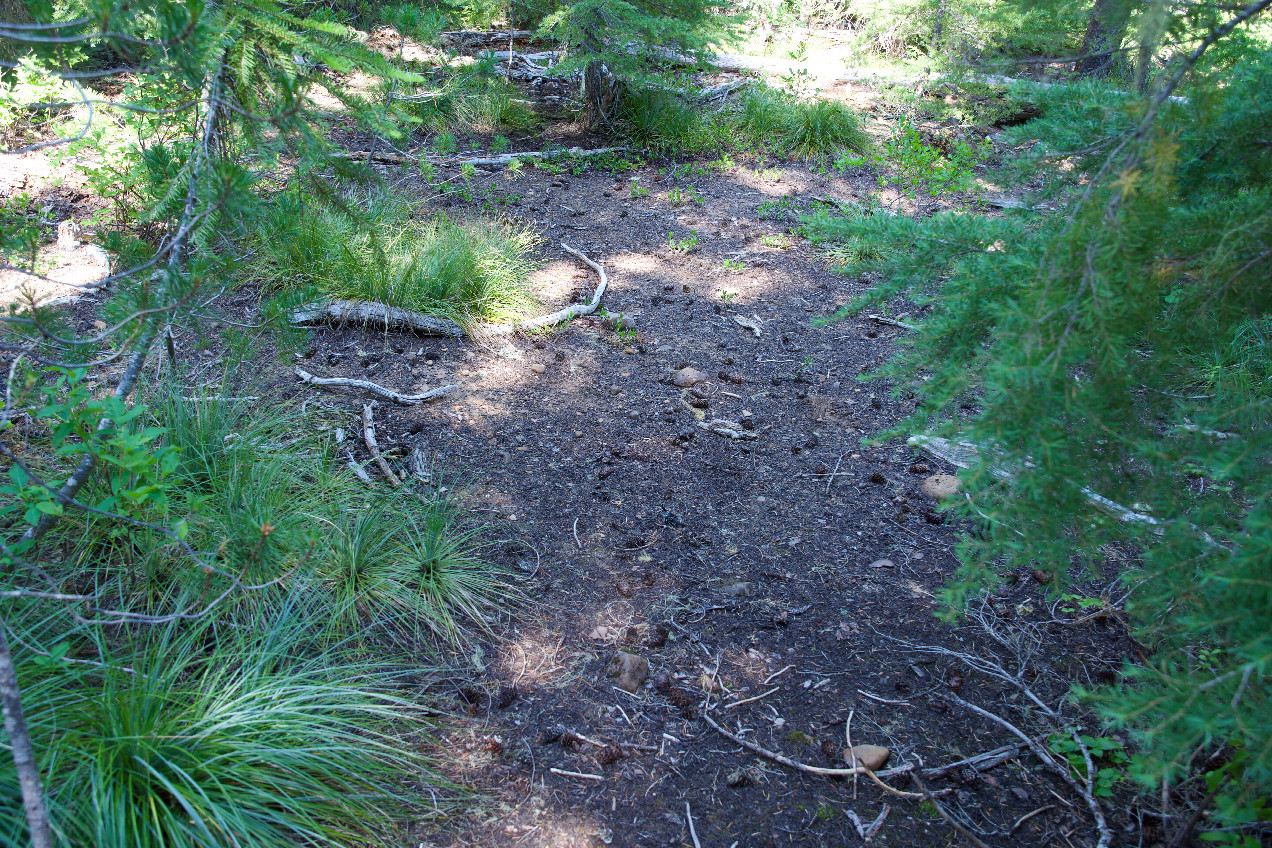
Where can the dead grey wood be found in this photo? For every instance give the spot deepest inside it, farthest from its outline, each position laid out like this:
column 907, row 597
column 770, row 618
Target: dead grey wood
column 23, row 751
column 368, row 386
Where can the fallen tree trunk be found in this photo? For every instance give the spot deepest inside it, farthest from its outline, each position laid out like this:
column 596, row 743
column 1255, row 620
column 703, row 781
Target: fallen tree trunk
column 498, row 160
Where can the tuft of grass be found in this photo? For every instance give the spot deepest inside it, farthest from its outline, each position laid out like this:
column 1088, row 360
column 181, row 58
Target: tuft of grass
column 659, row 119
column 469, row 271
column 405, row 560
column 199, row 734
column 804, row 128
column 822, row 127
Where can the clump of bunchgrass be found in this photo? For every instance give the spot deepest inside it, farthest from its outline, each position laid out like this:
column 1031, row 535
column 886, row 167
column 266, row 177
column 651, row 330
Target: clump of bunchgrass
column 468, row 271
column 259, row 733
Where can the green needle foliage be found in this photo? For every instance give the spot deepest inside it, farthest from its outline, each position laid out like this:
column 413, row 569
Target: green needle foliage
column 1122, row 346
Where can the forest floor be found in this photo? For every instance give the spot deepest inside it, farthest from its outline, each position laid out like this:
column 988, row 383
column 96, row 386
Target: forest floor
column 781, row 568
column 774, row 579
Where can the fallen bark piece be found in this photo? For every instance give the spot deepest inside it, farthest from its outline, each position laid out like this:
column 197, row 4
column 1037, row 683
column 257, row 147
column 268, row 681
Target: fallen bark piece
column 752, row 324
column 726, row 428
column 366, row 385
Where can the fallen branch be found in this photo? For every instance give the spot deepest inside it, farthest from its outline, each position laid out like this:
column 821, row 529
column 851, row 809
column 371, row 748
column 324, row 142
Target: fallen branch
column 366, row 385
column 368, row 435
column 868, row 832
column 500, row 160
column 967, row 454
column 396, row 318
column 818, row 770
column 578, row 774
column 591, row 741
column 892, row 321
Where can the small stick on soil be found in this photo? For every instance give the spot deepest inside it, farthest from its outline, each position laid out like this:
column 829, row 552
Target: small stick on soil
column 892, row 321
column 884, row 700
column 848, row 741
column 368, row 435
column 366, row 385
column 358, row 470
column 591, row 741
column 578, row 774
column 1027, row 816
column 576, row 533
column 775, row 674
column 752, row 700
column 692, row 833
column 831, row 481
column 818, row 770
column 967, row 834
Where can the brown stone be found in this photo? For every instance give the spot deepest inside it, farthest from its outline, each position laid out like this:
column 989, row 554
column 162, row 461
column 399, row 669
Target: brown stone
column 873, row 757
column 629, row 671
column 940, row 486
column 686, row 377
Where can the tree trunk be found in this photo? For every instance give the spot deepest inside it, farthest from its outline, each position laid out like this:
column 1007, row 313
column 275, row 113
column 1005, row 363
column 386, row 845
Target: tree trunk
column 15, row 725
column 600, row 90
column 1104, row 34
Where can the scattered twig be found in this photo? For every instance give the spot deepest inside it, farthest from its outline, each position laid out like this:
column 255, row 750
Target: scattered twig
column 818, row 770
column 967, row 834
column 881, row 319
column 776, row 674
column 692, row 833
column 591, row 741
column 1027, row 816
column 831, row 481
column 368, row 435
column 578, row 774
column 868, row 832
column 576, row 533
column 752, row 700
column 883, row 700
column 366, row 385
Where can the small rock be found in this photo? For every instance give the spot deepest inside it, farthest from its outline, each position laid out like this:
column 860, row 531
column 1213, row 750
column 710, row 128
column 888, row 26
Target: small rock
column 1022, row 794
column 688, row 376
column 873, row 757
column 538, row 368
column 599, row 633
column 628, row 670
column 739, row 777
column 738, row 590
column 882, row 563
column 940, row 486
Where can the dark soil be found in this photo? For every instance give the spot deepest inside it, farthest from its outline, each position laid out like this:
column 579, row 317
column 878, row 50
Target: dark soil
column 750, row 568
